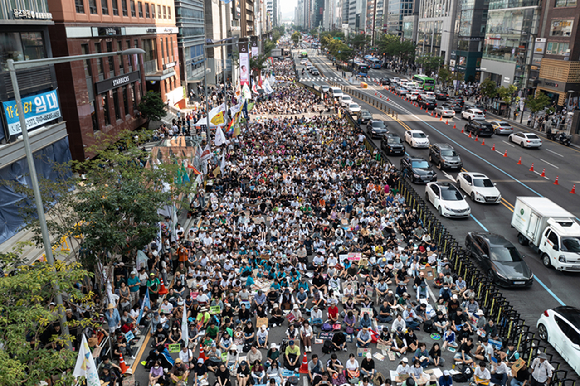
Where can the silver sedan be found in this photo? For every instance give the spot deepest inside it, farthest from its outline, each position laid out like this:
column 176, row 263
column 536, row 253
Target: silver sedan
column 501, row 127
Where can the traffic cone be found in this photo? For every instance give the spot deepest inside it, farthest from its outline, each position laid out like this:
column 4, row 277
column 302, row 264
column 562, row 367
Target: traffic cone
column 505, row 154
column 483, row 142
column 462, row 129
column 304, row 366
column 493, row 147
column 122, row 364
column 201, row 352
column 454, row 126
column 477, row 138
column 447, row 122
column 388, row 100
column 573, row 191
column 543, row 173
column 556, row 182
column 469, row 136
column 441, row 118
column 520, row 161
column 431, row 113
column 532, row 168
column 163, row 290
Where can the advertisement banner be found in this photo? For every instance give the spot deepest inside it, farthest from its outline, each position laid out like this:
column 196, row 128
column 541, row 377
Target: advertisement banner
column 38, row 109
column 244, row 64
column 255, row 51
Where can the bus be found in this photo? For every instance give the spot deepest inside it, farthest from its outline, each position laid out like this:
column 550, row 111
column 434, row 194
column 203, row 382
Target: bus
column 375, row 63
column 303, row 54
column 361, row 69
column 424, row 82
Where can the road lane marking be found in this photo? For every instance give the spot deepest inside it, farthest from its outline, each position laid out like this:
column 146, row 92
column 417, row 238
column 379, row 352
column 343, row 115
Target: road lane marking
column 479, row 223
column 507, row 143
column 549, row 291
column 551, row 151
column 448, row 176
column 541, row 159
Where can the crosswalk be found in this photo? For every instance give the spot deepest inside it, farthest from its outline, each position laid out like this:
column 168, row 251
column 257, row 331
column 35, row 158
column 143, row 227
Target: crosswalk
column 334, row 79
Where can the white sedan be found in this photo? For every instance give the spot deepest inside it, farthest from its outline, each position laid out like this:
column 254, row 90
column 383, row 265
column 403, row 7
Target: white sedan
column 353, row 108
column 447, row 199
column 479, row 187
column 416, row 138
column 345, row 100
column 444, row 111
column 559, row 327
column 526, row 139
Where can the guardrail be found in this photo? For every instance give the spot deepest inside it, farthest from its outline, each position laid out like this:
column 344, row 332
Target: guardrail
column 512, row 328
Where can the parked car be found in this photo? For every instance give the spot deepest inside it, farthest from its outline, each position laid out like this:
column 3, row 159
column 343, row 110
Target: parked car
column 447, row 199
column 365, row 116
column 560, row 327
column 428, row 103
column 445, row 111
column 417, row 170
column 353, row 108
column 479, row 128
column 501, row 127
column 499, row 259
column 473, row 114
column 526, row 139
column 392, row 144
column 444, row 156
column 377, row 129
column 479, row 187
column 417, row 138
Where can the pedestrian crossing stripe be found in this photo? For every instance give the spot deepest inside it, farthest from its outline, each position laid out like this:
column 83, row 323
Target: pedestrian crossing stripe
column 335, row 79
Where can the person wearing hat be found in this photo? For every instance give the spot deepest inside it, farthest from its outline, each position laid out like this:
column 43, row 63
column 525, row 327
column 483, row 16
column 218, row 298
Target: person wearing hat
column 113, row 318
column 179, row 371
column 243, row 375
column 446, row 379
column 367, row 366
column 134, row 284
column 541, row 370
column 292, row 356
column 295, row 316
column 199, row 372
column 154, row 285
column 273, row 354
column 277, row 316
column 403, row 369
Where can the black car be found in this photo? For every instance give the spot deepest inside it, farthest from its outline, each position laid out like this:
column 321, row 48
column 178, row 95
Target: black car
column 314, row 72
column 377, row 129
column 385, row 81
column 417, row 170
column 365, row 116
column 499, row 258
column 428, row 103
column 455, row 107
column 444, row 156
column 457, row 100
column 392, row 144
column 479, row 128
column 441, row 95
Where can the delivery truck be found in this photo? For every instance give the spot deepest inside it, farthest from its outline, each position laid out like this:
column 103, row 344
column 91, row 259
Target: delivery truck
column 550, row 229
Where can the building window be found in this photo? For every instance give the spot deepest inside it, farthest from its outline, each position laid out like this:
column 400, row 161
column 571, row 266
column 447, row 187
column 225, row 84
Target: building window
column 561, row 27
column 164, row 12
column 147, row 10
column 162, row 52
column 171, row 48
column 167, row 48
column 80, row 6
column 116, row 105
column 100, row 66
column 115, row 7
column 32, row 46
column 159, row 12
column 124, row 5
column 140, row 8
column 153, row 11
column 133, row 93
column 125, row 92
column 557, row 48
column 104, row 7
column 111, row 60
column 133, row 8
column 566, row 3
column 93, row 7
column 169, row 12
column 105, row 103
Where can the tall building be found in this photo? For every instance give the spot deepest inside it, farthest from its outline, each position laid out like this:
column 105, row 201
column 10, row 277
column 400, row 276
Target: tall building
column 357, row 13
column 435, row 26
column 398, row 9
column 218, row 26
column 555, row 68
column 509, row 35
column 468, row 36
column 190, row 21
column 25, row 36
column 329, row 18
column 103, row 94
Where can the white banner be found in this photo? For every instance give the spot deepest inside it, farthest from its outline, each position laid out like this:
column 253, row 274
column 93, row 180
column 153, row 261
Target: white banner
column 244, row 64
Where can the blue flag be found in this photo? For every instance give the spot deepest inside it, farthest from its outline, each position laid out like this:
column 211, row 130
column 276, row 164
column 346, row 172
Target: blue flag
column 245, row 110
column 146, row 303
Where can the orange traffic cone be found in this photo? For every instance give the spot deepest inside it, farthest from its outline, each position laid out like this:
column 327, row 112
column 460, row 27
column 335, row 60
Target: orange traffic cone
column 304, row 366
column 388, row 100
column 447, row 122
column 483, row 142
column 520, row 161
column 493, row 147
column 469, row 136
column 556, row 182
column 201, row 352
column 543, row 173
column 441, row 118
column 431, row 113
column 532, row 168
column 163, row 290
column 505, row 154
column 477, row 138
column 122, row 364
column 573, row 191
column 454, row 126
column 462, row 129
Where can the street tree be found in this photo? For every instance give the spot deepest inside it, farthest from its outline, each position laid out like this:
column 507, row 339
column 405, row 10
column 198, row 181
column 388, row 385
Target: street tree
column 538, row 102
column 360, row 40
column 429, row 63
column 387, row 43
column 508, row 94
column 296, row 36
column 32, row 350
column 488, row 88
column 445, row 76
column 152, row 107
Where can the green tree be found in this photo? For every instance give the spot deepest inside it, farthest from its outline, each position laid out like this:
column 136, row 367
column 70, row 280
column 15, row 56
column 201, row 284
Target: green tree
column 360, row 40
column 445, row 76
column 387, row 43
column 296, row 36
column 489, row 88
column 152, row 107
column 26, row 322
column 429, row 63
column 538, row 102
column 258, row 63
column 507, row 94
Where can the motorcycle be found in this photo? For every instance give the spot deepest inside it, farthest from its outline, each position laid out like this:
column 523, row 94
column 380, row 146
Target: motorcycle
column 563, row 139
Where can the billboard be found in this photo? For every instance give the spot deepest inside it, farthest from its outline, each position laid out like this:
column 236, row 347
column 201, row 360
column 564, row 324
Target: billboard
column 38, row 109
column 244, row 64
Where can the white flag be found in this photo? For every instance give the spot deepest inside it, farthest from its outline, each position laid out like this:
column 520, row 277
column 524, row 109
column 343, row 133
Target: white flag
column 223, row 163
column 85, row 366
column 267, row 87
column 220, row 138
column 184, row 328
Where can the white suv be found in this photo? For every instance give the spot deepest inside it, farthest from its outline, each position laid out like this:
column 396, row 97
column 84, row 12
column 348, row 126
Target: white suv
column 473, row 114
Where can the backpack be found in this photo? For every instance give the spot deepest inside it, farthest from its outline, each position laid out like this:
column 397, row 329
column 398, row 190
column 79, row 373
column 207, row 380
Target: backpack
column 326, row 327
column 464, row 375
column 428, row 326
column 327, row 347
column 247, row 347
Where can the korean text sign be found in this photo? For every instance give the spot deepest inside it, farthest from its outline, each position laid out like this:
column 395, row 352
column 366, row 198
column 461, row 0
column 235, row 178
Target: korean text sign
column 38, row 109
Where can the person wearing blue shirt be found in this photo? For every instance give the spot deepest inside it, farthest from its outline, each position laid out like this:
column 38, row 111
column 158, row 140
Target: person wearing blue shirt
column 303, row 284
column 446, row 379
column 249, row 281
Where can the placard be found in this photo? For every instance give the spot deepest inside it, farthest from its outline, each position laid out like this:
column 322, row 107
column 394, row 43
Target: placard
column 517, row 366
column 172, row 348
column 354, row 256
column 366, row 311
column 262, row 322
column 215, row 310
column 361, row 352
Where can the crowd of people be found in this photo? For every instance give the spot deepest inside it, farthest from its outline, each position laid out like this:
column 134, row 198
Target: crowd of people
column 303, row 244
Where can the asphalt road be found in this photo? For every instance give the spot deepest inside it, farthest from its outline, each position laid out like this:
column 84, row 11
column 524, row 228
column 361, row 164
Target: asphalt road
column 512, row 180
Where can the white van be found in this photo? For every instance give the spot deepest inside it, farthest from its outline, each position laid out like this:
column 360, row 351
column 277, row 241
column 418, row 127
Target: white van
column 336, row 92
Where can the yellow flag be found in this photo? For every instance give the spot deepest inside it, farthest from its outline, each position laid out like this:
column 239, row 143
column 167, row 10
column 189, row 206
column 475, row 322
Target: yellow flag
column 339, row 114
column 218, row 119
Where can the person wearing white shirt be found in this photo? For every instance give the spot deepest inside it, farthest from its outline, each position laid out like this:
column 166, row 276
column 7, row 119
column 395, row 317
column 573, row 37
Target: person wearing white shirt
column 499, row 372
column 403, row 368
column 186, row 356
column 541, row 370
column 481, row 374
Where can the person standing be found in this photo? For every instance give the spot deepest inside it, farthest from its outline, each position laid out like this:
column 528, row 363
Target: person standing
column 541, row 371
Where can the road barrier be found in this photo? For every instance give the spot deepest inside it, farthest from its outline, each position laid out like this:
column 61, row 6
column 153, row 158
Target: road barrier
column 511, row 326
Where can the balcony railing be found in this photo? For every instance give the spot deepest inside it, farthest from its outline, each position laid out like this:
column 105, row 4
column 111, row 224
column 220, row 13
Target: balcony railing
column 150, row 67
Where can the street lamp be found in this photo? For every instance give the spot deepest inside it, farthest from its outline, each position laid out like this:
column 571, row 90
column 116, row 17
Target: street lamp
column 12, row 68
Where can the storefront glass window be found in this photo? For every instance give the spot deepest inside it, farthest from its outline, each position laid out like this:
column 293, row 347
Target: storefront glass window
column 105, row 102
column 21, row 46
column 566, row 3
column 557, row 48
column 116, row 105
